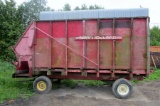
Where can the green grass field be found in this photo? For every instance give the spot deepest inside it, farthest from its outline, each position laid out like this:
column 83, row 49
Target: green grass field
column 11, row 88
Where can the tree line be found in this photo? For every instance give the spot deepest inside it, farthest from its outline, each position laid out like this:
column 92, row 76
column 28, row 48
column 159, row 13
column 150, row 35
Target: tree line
column 14, row 20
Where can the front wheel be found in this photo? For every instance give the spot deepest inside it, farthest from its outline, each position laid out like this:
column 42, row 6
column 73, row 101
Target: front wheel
column 42, row 85
column 122, row 88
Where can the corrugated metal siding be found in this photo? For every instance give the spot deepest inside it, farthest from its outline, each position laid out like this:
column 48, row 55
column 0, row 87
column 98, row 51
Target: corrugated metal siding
column 94, row 14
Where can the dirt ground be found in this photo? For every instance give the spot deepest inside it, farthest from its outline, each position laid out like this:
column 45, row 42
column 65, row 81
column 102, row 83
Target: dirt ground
column 145, row 94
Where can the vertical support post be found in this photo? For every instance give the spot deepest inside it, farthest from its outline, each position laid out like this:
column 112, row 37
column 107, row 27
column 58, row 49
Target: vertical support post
column 33, row 56
column 66, row 48
column 148, row 47
column 113, row 50
column 84, row 44
column 131, row 50
column 98, row 48
column 51, row 33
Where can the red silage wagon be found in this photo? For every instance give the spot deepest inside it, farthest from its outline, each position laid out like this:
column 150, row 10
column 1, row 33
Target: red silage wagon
column 91, row 45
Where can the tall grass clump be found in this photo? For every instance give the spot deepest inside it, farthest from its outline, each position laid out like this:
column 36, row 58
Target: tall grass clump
column 11, row 89
column 154, row 76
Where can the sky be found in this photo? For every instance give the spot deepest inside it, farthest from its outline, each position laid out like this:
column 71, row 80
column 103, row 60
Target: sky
column 153, row 5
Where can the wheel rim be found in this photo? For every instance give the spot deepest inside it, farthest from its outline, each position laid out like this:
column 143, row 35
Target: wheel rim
column 123, row 89
column 41, row 86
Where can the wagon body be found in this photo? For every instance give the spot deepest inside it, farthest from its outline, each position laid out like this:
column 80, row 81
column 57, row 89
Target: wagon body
column 99, row 45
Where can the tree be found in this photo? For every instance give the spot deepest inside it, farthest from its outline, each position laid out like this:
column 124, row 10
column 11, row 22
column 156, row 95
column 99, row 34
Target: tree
column 84, row 7
column 13, row 21
column 77, row 8
column 93, row 7
column 29, row 11
column 10, row 28
column 67, row 7
column 155, row 36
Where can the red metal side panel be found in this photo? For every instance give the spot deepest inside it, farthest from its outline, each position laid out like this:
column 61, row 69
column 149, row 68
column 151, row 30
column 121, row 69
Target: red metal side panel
column 49, row 53
column 122, row 47
column 23, row 47
column 91, row 45
column 75, row 28
column 139, row 44
column 106, row 29
column 58, row 50
column 43, row 46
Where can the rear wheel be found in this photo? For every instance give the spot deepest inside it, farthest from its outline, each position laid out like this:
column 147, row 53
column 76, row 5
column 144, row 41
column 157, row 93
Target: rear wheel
column 42, row 85
column 122, row 88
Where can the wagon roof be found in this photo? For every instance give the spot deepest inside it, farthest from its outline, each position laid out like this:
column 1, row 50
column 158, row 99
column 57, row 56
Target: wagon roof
column 94, row 14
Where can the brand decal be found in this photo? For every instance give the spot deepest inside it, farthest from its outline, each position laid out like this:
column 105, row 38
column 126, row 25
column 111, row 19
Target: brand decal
column 98, row 37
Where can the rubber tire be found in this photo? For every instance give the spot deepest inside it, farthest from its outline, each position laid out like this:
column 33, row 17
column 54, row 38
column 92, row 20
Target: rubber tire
column 117, row 83
column 46, row 80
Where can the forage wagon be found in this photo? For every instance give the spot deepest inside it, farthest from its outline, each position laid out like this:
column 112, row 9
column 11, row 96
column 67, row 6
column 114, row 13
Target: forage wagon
column 108, row 45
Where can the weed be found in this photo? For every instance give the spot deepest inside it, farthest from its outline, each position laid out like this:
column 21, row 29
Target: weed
column 70, row 83
column 73, row 83
column 92, row 82
column 154, row 76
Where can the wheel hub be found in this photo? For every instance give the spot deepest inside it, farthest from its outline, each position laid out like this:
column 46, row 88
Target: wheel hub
column 123, row 89
column 41, row 85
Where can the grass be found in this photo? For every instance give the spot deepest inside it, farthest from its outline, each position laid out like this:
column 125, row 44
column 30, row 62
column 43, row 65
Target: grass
column 154, row 76
column 11, row 89
column 73, row 83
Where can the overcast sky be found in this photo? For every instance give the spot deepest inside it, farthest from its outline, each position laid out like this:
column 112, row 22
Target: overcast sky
column 153, row 5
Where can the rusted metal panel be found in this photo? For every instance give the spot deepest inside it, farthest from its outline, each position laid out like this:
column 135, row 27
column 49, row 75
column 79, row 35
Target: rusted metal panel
column 43, row 46
column 58, row 50
column 139, row 44
column 122, row 47
column 75, row 28
column 91, row 46
column 154, row 48
column 106, row 45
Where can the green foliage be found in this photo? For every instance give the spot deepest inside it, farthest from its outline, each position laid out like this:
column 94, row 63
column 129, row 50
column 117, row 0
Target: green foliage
column 92, row 82
column 93, row 7
column 9, row 88
column 10, row 29
column 77, row 8
column 13, row 22
column 154, row 76
column 73, row 83
column 69, row 83
column 85, row 7
column 155, row 36
column 29, row 11
column 67, row 7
